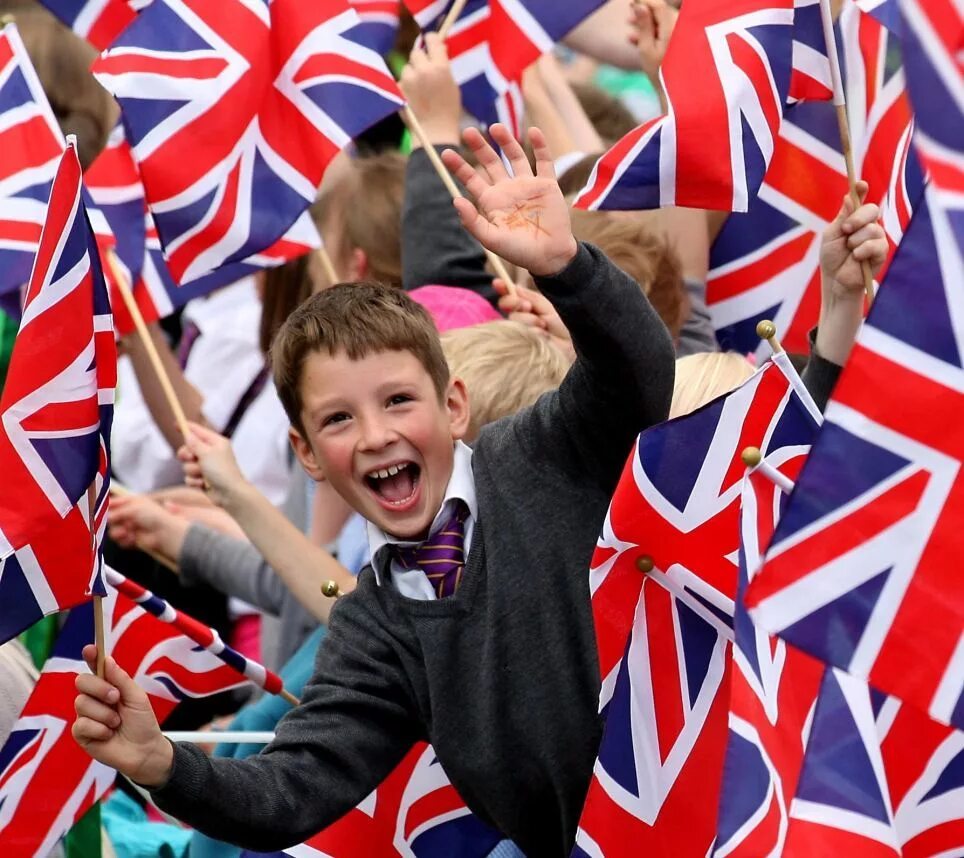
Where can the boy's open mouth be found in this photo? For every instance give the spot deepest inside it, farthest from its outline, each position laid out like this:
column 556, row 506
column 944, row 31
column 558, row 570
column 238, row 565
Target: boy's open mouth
column 395, row 484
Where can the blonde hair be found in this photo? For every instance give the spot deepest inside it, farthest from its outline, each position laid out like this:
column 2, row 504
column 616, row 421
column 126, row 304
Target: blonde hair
column 366, row 199
column 505, row 366
column 702, row 377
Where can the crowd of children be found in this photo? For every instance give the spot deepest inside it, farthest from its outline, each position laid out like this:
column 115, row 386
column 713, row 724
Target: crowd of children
column 339, row 430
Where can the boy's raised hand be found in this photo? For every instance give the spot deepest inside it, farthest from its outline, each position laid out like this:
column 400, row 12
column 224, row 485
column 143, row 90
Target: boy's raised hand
column 852, row 238
column 117, row 726
column 209, row 464
column 138, row 521
column 523, row 217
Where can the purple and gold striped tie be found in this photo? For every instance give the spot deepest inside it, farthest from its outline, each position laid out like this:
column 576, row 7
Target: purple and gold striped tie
column 442, row 556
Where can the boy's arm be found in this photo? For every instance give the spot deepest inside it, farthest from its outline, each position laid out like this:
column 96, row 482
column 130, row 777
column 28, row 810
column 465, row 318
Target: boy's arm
column 435, row 248
column 622, row 380
column 352, row 728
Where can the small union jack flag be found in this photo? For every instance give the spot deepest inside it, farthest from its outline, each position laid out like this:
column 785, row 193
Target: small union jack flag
column 233, row 111
column 493, row 42
column 861, row 571
column 55, row 415
column 47, row 781
column 97, row 21
column 712, row 149
column 414, row 813
column 379, row 21
column 765, row 264
column 32, row 144
column 655, row 787
column 772, row 692
column 114, row 184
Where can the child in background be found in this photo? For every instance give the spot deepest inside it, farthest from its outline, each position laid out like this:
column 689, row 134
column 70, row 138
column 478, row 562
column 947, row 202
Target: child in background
column 481, row 672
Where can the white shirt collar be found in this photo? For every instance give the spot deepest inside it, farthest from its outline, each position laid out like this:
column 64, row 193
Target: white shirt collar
column 461, row 487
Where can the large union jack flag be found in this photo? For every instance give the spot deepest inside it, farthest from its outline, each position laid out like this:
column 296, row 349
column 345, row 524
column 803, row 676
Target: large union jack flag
column 97, row 21
column 862, row 569
column 414, row 813
column 492, row 42
column 47, row 781
column 664, row 638
column 772, row 691
column 765, row 264
column 378, row 23
column 713, row 146
column 55, row 415
column 234, row 110
column 114, row 184
column 32, row 144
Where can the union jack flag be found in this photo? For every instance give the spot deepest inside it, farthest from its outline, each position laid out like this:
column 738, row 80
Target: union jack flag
column 712, row 148
column 765, row 264
column 493, row 42
column 772, row 692
column 32, row 144
column 97, row 21
column 233, row 111
column 861, row 571
column 879, row 778
column 655, row 786
column 204, row 636
column 379, row 21
column 47, row 781
column 55, row 413
column 414, row 813
column 114, row 184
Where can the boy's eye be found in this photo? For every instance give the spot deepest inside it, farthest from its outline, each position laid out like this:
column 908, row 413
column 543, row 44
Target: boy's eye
column 399, row 398
column 332, row 419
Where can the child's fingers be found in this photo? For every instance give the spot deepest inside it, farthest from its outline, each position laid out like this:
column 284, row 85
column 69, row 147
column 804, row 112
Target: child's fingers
column 472, row 221
column 464, row 172
column 90, row 707
column 85, row 731
column 873, row 251
column 529, row 319
column 435, row 48
column 862, row 189
column 545, row 165
column 97, row 688
column 866, row 214
column 485, row 154
column 512, row 150
column 867, row 233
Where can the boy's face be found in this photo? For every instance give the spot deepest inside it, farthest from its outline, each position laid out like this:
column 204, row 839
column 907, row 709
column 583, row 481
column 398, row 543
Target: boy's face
column 378, row 433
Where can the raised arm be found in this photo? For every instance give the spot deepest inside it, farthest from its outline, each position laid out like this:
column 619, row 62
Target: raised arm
column 622, row 380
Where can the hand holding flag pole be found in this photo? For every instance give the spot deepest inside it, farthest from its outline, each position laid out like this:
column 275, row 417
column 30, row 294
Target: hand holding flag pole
column 840, row 105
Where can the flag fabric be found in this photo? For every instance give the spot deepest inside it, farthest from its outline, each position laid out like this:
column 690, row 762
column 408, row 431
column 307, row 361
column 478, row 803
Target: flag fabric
column 97, row 21
column 491, row 44
column 664, row 637
column 47, row 781
column 233, row 111
column 55, row 419
column 378, row 23
column 204, row 636
column 861, row 571
column 32, row 144
column 880, row 778
column 713, row 146
column 765, row 264
column 114, row 184
column 772, row 693
column 414, row 813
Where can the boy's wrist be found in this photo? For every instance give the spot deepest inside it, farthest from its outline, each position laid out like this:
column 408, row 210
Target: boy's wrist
column 238, row 497
column 559, row 262
column 156, row 770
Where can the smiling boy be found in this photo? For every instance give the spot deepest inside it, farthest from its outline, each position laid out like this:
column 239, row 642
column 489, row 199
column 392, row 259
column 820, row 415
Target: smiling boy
column 472, row 629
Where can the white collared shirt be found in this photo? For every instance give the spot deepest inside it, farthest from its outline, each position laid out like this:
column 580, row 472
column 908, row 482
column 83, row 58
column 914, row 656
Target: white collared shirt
column 414, row 583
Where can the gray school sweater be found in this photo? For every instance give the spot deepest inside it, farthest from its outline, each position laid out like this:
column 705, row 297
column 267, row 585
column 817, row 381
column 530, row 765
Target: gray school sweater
column 501, row 678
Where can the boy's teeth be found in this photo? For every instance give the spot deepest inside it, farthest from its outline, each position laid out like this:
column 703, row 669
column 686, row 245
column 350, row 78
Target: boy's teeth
column 394, row 469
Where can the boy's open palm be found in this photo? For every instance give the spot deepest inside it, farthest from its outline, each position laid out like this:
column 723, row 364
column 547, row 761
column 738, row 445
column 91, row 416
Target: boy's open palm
column 523, row 217
column 116, row 724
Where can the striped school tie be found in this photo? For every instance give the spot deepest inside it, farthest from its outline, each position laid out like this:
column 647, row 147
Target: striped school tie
column 442, row 556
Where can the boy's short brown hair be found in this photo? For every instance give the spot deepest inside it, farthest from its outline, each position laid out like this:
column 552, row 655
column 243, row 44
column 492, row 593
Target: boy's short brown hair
column 357, row 319
column 506, row 366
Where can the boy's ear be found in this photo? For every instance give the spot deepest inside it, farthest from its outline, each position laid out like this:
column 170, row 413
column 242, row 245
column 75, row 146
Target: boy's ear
column 305, row 455
column 457, row 404
column 358, row 265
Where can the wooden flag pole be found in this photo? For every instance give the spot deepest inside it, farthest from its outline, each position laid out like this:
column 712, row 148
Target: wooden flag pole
column 451, row 17
column 99, row 637
column 753, row 459
column 145, row 336
column 328, row 265
column 411, row 120
column 846, row 145
column 284, row 694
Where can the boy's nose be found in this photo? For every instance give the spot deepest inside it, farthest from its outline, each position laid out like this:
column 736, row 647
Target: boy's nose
column 376, row 435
